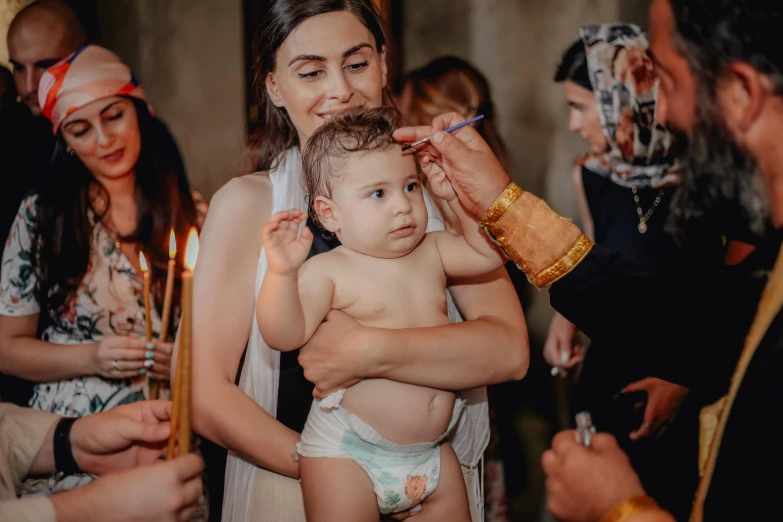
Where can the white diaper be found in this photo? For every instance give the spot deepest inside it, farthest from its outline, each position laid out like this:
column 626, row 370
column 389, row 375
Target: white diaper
column 402, row 474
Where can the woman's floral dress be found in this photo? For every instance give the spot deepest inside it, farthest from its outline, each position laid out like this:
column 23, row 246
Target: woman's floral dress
column 109, row 302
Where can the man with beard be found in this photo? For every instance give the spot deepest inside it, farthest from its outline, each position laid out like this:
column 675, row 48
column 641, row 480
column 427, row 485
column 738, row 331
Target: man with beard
column 40, row 35
column 721, row 69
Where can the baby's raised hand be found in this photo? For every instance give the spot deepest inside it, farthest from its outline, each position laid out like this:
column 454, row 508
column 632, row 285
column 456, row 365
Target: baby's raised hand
column 285, row 253
column 439, row 184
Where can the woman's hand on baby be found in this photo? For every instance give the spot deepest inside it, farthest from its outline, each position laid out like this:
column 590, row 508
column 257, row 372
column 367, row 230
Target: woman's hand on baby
column 285, row 252
column 439, row 184
column 337, row 355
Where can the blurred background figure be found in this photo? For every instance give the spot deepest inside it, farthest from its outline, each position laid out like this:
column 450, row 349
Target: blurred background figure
column 451, row 84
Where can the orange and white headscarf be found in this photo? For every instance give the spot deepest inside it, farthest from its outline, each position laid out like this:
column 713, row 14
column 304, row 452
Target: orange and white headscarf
column 90, row 73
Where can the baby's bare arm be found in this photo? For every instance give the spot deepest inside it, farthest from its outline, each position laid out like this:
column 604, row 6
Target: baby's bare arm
column 468, row 255
column 290, row 307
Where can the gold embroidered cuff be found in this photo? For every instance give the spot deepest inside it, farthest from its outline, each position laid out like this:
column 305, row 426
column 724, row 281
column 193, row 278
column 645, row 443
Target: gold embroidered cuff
column 565, row 264
column 544, row 245
column 629, row 507
column 503, row 203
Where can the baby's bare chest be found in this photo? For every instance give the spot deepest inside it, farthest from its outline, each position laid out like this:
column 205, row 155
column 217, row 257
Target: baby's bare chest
column 393, row 293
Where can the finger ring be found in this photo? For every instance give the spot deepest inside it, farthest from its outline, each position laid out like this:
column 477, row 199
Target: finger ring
column 647, row 424
column 149, row 363
column 115, row 366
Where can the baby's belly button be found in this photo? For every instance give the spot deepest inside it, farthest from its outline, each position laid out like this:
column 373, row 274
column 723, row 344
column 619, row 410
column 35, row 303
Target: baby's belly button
column 439, row 401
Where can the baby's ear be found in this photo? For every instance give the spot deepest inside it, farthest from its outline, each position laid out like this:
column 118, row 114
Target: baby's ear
column 327, row 214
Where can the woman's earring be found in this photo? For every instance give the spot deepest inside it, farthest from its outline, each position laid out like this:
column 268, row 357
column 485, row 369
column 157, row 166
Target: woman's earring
column 71, row 152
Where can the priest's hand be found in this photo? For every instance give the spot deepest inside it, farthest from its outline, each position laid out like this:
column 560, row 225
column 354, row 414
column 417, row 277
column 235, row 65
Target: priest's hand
column 584, row 483
column 471, row 166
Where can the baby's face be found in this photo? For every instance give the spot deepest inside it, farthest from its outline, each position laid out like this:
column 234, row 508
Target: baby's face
column 378, row 204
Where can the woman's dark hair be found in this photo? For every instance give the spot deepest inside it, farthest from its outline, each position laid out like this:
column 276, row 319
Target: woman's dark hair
column 276, row 133
column 573, row 66
column 63, row 235
column 450, row 84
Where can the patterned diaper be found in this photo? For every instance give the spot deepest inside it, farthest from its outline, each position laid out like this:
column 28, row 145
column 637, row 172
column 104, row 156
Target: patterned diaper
column 402, row 475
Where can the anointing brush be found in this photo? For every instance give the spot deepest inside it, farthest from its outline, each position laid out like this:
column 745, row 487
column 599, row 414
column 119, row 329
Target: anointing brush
column 450, row 129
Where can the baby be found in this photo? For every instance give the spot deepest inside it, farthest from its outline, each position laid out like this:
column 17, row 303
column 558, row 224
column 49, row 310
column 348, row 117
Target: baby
column 388, row 273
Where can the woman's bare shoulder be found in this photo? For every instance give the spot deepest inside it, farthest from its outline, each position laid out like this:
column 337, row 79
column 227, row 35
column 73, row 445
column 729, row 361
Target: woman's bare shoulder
column 245, row 196
column 240, row 209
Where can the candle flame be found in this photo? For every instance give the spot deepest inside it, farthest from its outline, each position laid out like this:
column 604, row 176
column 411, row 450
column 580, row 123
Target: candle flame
column 172, row 245
column 143, row 262
column 191, row 250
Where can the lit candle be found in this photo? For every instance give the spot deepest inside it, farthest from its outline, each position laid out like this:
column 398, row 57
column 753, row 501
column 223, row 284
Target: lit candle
column 180, row 421
column 145, row 271
column 164, row 320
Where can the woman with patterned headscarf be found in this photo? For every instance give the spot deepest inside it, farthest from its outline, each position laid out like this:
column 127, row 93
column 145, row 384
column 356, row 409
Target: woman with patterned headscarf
column 72, row 314
column 624, row 186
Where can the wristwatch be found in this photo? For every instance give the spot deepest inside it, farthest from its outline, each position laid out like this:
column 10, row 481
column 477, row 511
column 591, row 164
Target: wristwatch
column 63, row 453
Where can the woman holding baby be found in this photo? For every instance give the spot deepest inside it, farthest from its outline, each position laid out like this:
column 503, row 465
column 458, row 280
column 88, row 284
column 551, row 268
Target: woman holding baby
column 314, row 60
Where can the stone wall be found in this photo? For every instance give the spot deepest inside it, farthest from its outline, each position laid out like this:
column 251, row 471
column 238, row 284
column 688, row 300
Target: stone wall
column 189, row 57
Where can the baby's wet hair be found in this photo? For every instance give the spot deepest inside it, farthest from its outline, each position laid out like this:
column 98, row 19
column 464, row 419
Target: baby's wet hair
column 341, row 138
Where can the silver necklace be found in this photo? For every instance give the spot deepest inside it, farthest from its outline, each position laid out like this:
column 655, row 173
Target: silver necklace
column 644, row 218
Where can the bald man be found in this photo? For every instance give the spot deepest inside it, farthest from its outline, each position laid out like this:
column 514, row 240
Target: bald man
column 42, row 34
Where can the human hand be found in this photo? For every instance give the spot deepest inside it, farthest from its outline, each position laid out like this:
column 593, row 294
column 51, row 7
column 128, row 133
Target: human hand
column 334, row 357
column 117, row 357
column 584, row 483
column 285, row 253
column 468, row 162
column 439, row 184
column 559, row 348
column 124, row 437
column 664, row 399
column 165, row 492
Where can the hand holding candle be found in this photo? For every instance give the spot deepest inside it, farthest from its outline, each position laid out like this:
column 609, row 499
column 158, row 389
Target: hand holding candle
column 181, row 396
column 145, row 271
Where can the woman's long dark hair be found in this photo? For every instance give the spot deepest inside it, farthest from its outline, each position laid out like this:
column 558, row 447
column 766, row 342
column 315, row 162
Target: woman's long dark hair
column 62, row 241
column 276, row 133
